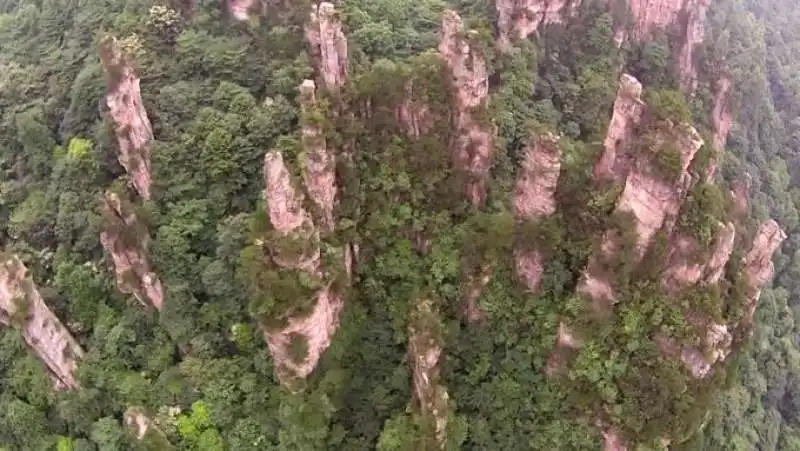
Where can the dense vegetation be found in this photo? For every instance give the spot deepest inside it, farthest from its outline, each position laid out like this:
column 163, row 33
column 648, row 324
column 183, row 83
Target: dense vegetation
column 221, row 93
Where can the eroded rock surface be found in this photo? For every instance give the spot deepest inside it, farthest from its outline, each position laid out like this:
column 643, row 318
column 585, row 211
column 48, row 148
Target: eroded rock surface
column 628, row 109
column 425, row 349
column 240, row 9
column 320, row 165
column 721, row 119
column 534, row 198
column 474, row 143
column 292, row 222
column 757, row 263
column 133, row 130
column 127, row 242
column 328, row 45
column 22, row 307
column 519, row 19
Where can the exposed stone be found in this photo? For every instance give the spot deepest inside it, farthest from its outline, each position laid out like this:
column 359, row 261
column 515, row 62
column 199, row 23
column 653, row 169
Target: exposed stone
column 534, row 197
column 127, row 242
column 518, row 19
column 474, row 143
column 741, row 196
column 240, row 9
column 628, row 109
column 534, row 194
column 476, row 283
column 320, row 165
column 328, row 45
column 565, row 342
column 425, row 349
column 721, row 120
column 22, row 307
column 318, row 328
column 757, row 264
column 414, row 117
column 612, row 441
column 650, row 197
column 132, row 126
column 684, row 268
column 291, row 221
column 718, row 345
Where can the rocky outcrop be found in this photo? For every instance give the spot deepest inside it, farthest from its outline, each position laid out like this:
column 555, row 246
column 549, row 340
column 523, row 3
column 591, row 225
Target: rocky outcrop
column 240, row 9
column 757, row 263
column 132, row 127
column 628, row 109
column 414, row 117
column 320, row 165
column 686, row 265
column 519, row 19
column 425, row 349
column 721, row 120
column 328, row 45
column 127, row 241
column 474, row 142
column 534, row 198
column 292, row 224
column 22, row 307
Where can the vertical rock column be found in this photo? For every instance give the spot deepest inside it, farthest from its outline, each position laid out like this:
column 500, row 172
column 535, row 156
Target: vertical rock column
column 628, row 109
column 721, row 120
column 293, row 224
column 757, row 264
column 127, row 240
column 474, row 137
column 425, row 349
column 132, row 126
column 518, row 19
column 22, row 307
column 534, row 198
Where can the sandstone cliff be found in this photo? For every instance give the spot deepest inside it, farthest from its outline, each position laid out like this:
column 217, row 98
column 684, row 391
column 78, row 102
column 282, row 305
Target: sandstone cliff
column 474, row 142
column 131, row 125
column 127, row 242
column 292, row 224
column 757, row 264
column 320, row 165
column 328, row 45
column 534, row 198
column 22, row 307
column 518, row 19
column 628, row 109
column 240, row 9
column 721, row 119
column 425, row 349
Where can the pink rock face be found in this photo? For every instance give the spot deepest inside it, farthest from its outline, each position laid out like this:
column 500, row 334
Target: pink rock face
column 628, row 110
column 652, row 199
column 565, row 341
column 320, row 165
column 40, row 328
column 283, row 201
column 741, row 196
column 518, row 19
column 534, row 193
column 240, row 9
column 723, row 247
column 425, row 349
column 534, row 197
column 612, row 441
column 328, row 45
column 132, row 126
column 721, row 120
column 695, row 11
column 415, row 118
column 757, row 264
column 718, row 342
column 289, row 219
column 131, row 265
column 474, row 145
column 318, row 328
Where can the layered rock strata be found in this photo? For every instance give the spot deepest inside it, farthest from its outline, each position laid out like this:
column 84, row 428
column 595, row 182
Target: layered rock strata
column 320, row 164
column 474, row 136
column 757, row 263
column 425, row 349
column 127, row 241
column 534, row 198
column 22, row 307
column 132, row 127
